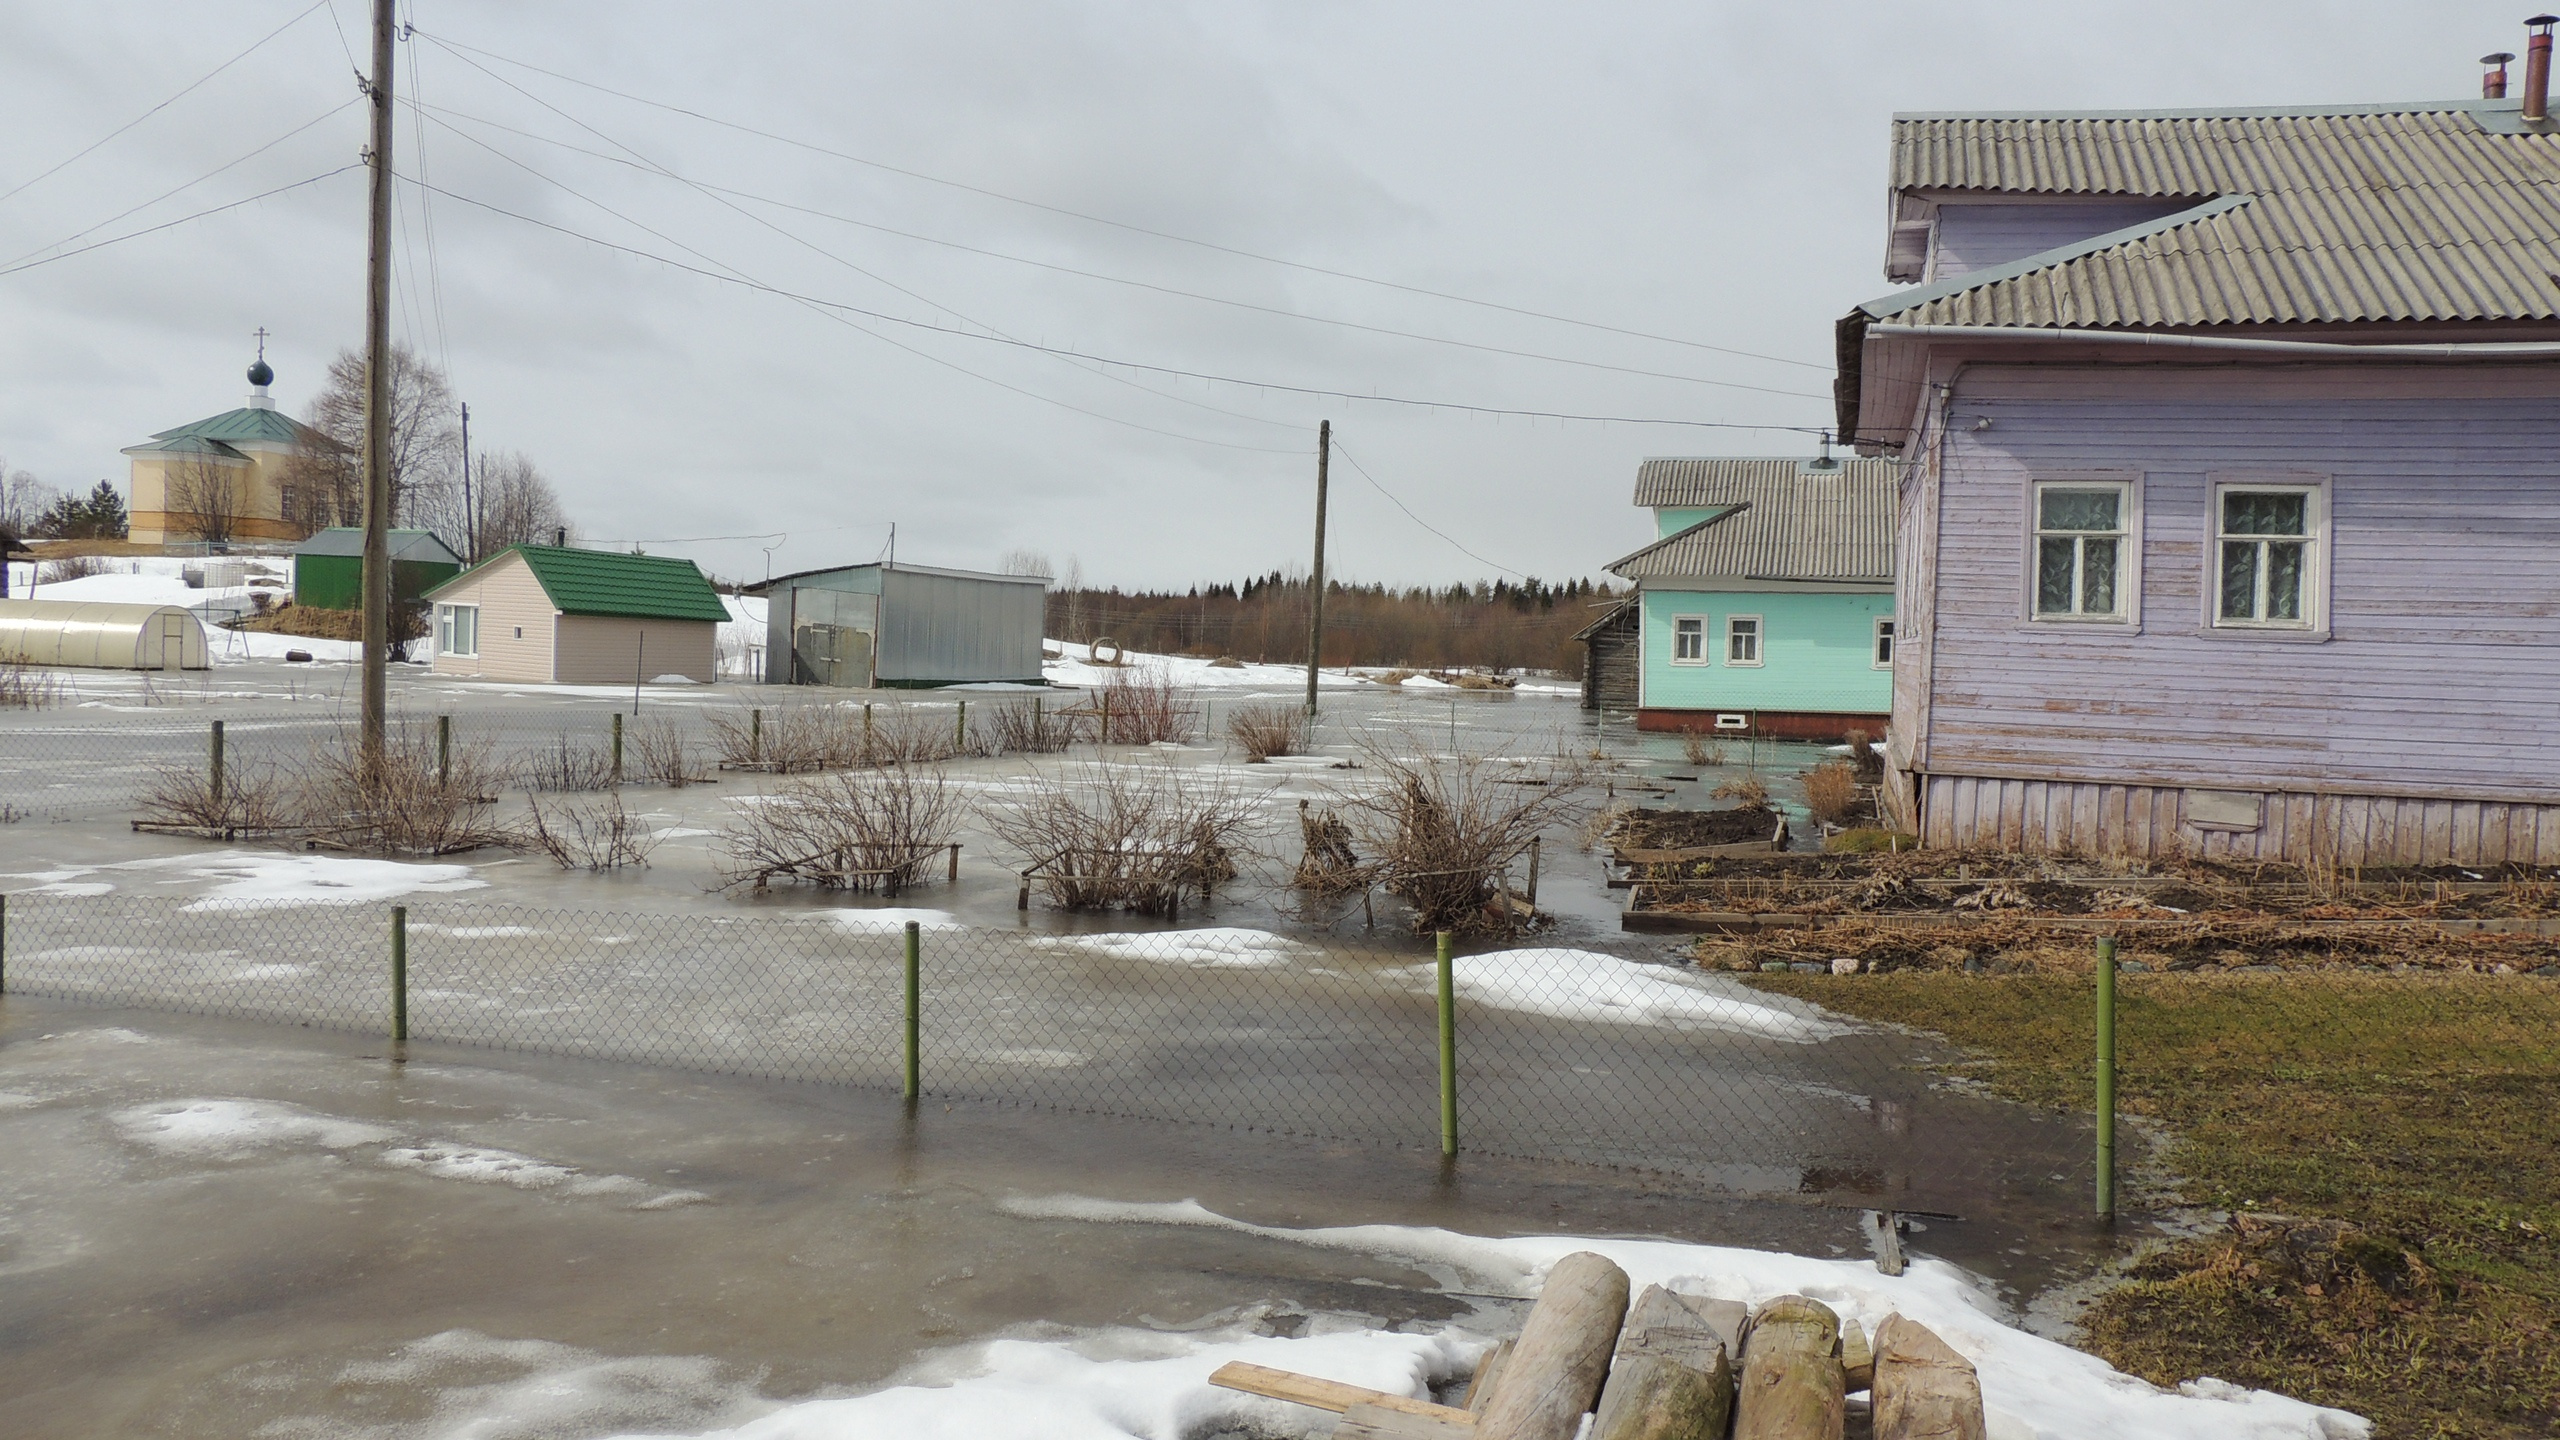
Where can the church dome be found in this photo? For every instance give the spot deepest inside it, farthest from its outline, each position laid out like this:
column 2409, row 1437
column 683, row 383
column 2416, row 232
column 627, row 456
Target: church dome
column 259, row 374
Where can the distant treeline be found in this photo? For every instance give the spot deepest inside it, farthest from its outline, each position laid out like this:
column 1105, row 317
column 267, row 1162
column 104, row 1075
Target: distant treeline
column 1527, row 625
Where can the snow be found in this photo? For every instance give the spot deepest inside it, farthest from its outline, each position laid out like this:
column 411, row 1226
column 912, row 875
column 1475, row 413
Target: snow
column 889, row 920
column 1072, row 665
column 61, row 882
column 1587, row 985
column 260, row 878
column 234, row 1127
column 481, row 1166
column 1218, row 947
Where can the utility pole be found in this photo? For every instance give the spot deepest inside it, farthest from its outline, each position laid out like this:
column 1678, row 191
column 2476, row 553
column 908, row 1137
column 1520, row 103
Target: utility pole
column 377, row 408
column 1315, row 593
column 470, row 512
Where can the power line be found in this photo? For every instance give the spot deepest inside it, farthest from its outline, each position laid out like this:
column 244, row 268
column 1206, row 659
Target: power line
column 172, row 100
column 181, row 220
column 1114, row 224
column 1346, row 454
column 1169, row 370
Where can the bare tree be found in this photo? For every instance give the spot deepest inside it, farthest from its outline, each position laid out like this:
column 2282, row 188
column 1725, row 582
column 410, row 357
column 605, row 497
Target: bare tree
column 515, row 503
column 426, row 448
column 24, row 499
column 202, row 498
column 1020, row 561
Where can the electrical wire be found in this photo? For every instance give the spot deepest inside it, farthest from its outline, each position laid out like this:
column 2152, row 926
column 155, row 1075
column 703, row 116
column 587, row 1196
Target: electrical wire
column 426, row 213
column 181, row 220
column 1167, row 235
column 183, row 93
column 1344, row 451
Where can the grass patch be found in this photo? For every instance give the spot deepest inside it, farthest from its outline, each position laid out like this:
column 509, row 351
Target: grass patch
column 2385, row 1141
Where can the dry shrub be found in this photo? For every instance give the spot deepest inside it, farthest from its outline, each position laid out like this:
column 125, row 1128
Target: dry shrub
column 1747, row 792
column 70, row 567
column 1395, row 677
column 1865, row 757
column 1443, row 830
column 664, row 753
column 24, row 686
column 409, row 803
column 254, row 798
column 913, row 735
column 1831, row 791
column 876, row 829
column 1269, row 729
column 1028, row 728
column 568, row 764
column 1327, row 865
column 1145, row 707
column 1697, row 749
column 588, row 835
column 1125, row 836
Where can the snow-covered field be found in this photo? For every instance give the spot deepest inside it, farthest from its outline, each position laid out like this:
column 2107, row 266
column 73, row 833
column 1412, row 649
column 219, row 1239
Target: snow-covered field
column 1071, row 663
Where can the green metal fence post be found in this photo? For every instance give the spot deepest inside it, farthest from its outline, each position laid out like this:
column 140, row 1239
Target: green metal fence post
column 2106, row 1077
column 617, row 747
column 960, row 731
column 915, row 989
column 1448, row 1051
column 399, row 972
column 213, row 778
column 444, row 752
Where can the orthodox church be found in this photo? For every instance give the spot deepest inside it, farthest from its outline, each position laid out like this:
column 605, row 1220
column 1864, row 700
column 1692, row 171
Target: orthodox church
column 228, row 477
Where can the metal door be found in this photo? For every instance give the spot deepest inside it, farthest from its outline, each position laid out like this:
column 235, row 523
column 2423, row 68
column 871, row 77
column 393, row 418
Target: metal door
column 173, row 642
column 831, row 655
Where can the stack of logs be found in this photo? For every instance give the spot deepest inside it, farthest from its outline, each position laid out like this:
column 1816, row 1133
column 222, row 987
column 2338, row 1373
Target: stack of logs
column 1666, row 1370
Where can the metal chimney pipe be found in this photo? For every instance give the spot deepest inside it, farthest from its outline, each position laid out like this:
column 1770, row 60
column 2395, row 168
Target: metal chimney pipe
column 2537, row 67
column 2493, row 85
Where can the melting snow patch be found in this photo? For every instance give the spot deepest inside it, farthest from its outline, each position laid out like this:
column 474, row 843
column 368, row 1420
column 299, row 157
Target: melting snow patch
column 1587, row 985
column 61, row 882
column 477, row 932
column 231, row 1127
column 1217, row 947
column 889, row 920
column 247, row 877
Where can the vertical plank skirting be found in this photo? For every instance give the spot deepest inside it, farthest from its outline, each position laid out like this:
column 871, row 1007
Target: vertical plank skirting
column 2052, row 816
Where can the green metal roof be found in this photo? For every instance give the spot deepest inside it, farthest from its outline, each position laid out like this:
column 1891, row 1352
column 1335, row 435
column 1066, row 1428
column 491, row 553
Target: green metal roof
column 185, row 445
column 246, row 423
column 348, row 540
column 606, row 582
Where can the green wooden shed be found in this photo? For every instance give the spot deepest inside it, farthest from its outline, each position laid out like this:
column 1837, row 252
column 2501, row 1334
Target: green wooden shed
column 328, row 568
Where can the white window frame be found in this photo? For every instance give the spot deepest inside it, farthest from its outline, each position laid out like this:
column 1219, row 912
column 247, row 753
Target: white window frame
column 1880, row 649
column 2314, row 624
column 1701, row 657
column 1759, row 642
column 2128, row 611
column 446, row 617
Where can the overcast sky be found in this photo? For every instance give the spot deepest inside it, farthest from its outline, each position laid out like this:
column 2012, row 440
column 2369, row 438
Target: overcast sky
column 1709, row 173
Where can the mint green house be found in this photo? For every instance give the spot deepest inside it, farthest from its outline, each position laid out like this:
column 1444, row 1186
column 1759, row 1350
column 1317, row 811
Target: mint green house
column 1767, row 604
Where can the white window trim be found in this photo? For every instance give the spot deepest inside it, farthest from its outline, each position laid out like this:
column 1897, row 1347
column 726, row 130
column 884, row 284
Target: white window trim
column 1706, row 632
column 445, row 615
column 2128, row 616
column 2314, row 625
column 1879, row 656
column 1759, row 642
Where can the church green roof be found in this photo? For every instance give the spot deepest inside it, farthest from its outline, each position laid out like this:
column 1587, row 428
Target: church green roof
column 249, row 424
column 607, row 582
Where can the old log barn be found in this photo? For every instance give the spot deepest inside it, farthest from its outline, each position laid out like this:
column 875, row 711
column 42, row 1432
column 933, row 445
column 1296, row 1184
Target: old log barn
column 1767, row 605
column 902, row 626
column 545, row 613
column 2230, row 516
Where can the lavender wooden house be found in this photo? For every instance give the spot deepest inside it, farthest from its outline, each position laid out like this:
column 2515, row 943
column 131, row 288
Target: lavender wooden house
column 2230, row 510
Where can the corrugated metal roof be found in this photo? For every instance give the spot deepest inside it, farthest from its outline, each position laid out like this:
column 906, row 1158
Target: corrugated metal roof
column 608, row 582
column 1789, row 520
column 251, row 424
column 2438, row 213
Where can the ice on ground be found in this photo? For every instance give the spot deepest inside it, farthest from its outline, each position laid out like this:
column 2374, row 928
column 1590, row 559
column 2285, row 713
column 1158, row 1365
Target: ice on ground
column 486, row 1388
column 476, row 932
column 61, row 882
column 233, row 1127
column 19, row 1100
column 480, row 1165
column 1073, row 665
column 1587, row 985
column 889, row 920
column 2032, row 1387
column 1218, row 947
column 252, row 877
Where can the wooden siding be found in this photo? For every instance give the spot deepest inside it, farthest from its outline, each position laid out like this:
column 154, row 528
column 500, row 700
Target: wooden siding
column 2439, row 681
column 614, row 650
column 509, row 599
column 2077, row 818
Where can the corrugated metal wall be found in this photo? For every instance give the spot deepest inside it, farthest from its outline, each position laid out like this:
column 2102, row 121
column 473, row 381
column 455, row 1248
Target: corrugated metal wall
column 938, row 628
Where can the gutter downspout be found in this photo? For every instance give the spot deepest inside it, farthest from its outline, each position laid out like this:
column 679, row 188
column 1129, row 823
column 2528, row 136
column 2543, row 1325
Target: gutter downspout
column 2152, row 339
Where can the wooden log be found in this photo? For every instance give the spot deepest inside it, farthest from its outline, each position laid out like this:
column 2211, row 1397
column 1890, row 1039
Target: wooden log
column 1488, row 1365
column 1857, row 1357
column 1672, row 1378
column 1324, row 1394
column 1555, row 1370
column 1923, row 1390
column 1792, row 1387
column 1377, row 1422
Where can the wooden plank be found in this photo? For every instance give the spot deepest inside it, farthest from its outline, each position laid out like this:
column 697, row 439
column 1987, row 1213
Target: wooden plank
column 1857, row 1357
column 1488, row 1365
column 1672, row 1378
column 1792, row 1384
column 1322, row 1394
column 1377, row 1422
column 1554, row 1373
column 1923, row 1389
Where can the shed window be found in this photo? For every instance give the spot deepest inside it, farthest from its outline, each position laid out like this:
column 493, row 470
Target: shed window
column 2080, row 552
column 458, row 629
column 1689, row 640
column 1884, row 644
column 1742, row 640
column 2268, row 542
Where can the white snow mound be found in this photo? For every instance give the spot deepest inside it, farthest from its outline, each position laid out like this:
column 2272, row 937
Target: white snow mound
column 1217, row 947
column 1587, row 985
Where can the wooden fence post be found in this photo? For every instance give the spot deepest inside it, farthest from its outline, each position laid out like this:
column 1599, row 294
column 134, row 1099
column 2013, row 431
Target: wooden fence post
column 617, row 747
column 213, row 779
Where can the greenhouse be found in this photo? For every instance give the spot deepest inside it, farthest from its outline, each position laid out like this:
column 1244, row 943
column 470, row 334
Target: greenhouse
column 101, row 637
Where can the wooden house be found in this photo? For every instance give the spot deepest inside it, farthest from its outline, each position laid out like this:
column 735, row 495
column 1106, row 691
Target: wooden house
column 1766, row 607
column 545, row 613
column 2230, row 513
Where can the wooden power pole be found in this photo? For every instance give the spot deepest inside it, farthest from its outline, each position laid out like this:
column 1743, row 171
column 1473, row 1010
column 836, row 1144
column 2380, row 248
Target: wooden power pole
column 377, row 407
column 470, row 510
column 1315, row 593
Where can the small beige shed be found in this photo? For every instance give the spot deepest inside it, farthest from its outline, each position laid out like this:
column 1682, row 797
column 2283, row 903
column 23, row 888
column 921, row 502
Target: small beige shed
column 102, row 637
column 551, row 615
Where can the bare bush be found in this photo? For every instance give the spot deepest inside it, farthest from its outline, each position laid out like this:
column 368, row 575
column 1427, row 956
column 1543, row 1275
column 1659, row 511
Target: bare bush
column 1144, row 707
column 1831, row 791
column 666, row 756
column 70, row 567
column 912, row 735
column 1269, row 729
column 880, row 829
column 254, row 799
column 1130, row 836
column 567, row 764
column 588, row 835
column 1698, row 750
column 1747, row 792
column 1441, row 831
column 1029, row 729
column 785, row 739
column 1866, row 757
column 1327, row 864
column 413, row 801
